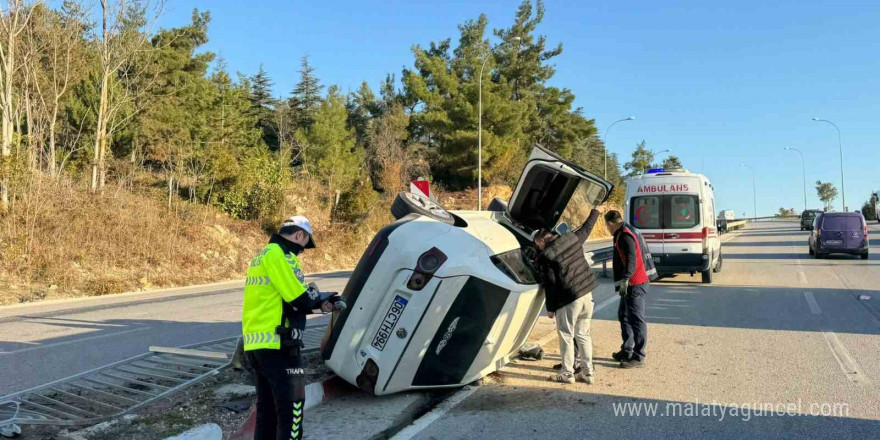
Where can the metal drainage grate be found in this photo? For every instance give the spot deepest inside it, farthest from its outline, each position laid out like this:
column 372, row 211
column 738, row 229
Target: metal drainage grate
column 122, row 387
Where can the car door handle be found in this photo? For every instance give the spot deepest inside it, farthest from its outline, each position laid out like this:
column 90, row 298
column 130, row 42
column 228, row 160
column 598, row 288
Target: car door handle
column 671, row 235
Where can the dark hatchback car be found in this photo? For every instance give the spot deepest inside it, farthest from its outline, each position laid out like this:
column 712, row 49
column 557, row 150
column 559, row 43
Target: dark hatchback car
column 839, row 233
column 807, row 218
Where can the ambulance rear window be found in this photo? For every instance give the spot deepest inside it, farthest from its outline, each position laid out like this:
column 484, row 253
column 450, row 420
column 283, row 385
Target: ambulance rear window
column 646, row 212
column 665, row 211
column 684, row 212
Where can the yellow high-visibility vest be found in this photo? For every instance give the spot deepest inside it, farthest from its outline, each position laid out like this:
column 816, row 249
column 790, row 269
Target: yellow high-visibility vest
column 272, row 276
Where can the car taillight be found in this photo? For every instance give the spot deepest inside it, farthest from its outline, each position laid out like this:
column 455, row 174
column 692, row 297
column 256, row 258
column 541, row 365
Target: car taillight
column 818, row 232
column 705, row 237
column 426, row 265
column 866, row 231
column 368, row 377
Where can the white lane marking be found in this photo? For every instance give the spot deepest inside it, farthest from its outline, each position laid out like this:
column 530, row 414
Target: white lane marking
column 811, row 301
column 800, row 272
column 849, row 366
column 444, row 407
column 74, row 341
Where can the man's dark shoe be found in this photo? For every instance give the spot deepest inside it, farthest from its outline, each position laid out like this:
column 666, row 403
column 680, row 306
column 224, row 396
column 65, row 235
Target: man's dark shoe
column 559, row 367
column 632, row 363
column 621, row 356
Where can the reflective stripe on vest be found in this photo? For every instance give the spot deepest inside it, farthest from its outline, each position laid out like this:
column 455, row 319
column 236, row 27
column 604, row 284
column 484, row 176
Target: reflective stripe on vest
column 267, row 337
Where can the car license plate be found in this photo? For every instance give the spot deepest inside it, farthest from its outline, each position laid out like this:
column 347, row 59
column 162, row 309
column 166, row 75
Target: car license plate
column 386, row 329
column 833, row 242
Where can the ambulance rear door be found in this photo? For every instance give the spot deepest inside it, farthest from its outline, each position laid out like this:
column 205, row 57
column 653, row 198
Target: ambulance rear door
column 683, row 225
column 646, row 214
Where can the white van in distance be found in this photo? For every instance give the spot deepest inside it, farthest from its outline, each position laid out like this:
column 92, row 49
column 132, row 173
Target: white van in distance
column 727, row 214
column 675, row 212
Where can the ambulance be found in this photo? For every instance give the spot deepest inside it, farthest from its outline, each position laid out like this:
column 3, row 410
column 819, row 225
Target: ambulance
column 675, row 212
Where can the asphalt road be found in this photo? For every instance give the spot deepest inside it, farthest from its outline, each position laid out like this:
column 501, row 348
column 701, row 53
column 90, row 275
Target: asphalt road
column 777, row 328
column 47, row 341
column 778, row 332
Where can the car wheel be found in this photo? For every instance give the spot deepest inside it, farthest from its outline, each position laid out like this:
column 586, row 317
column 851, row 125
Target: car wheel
column 408, row 203
column 865, row 256
column 707, row 276
column 817, row 255
column 720, row 263
column 811, row 250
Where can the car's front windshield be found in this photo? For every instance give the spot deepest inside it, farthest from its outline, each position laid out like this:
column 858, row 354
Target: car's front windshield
column 587, row 196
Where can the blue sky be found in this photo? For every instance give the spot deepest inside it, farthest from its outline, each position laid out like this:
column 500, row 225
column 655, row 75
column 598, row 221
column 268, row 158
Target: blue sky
column 718, row 83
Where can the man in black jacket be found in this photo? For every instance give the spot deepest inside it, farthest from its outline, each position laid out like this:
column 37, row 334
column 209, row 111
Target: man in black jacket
column 568, row 285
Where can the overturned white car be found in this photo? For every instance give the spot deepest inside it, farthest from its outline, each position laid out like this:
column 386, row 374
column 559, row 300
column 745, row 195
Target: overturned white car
column 442, row 298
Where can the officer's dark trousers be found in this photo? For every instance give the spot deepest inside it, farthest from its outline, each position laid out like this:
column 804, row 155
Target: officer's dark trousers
column 633, row 328
column 280, row 393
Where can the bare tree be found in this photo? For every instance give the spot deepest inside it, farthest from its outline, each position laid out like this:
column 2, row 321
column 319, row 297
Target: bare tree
column 124, row 34
column 55, row 40
column 392, row 161
column 13, row 20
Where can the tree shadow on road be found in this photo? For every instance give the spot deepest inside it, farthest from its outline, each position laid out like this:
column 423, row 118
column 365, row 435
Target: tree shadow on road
column 758, row 307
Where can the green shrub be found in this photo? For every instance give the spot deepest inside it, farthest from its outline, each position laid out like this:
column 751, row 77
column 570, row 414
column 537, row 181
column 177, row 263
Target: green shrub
column 257, row 192
column 356, row 203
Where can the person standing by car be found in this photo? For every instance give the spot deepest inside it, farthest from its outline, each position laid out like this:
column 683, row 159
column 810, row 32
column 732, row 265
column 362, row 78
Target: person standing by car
column 568, row 284
column 631, row 280
column 273, row 318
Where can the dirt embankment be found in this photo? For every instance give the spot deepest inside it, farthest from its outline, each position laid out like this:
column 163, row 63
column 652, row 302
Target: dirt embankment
column 62, row 242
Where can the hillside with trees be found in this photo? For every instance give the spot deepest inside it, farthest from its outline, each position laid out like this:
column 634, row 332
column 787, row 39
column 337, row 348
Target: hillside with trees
column 132, row 157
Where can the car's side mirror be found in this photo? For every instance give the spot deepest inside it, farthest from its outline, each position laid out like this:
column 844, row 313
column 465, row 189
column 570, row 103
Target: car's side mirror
column 561, row 228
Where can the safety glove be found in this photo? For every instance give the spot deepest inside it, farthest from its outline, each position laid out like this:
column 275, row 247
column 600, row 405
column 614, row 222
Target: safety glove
column 624, row 287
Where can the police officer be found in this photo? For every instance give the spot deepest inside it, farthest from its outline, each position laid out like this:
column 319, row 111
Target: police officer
column 273, row 318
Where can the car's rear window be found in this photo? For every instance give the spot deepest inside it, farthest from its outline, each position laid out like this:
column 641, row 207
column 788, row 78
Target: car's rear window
column 810, row 215
column 665, row 212
column 841, row 223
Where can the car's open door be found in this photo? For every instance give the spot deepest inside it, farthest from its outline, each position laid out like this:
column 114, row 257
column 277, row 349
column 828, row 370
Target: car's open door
column 551, row 189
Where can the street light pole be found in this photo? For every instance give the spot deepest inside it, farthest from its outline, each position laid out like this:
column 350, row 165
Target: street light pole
column 804, row 169
column 605, row 142
column 480, row 128
column 754, row 189
column 840, row 146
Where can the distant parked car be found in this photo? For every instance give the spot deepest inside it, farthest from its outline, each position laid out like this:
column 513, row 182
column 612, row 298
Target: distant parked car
column 807, row 218
column 877, row 206
column 839, row 233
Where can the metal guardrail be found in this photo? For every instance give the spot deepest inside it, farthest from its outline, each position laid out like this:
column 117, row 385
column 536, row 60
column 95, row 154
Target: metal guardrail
column 725, row 225
column 599, row 251
column 122, row 387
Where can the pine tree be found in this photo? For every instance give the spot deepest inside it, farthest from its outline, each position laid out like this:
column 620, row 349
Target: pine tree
column 642, row 158
column 262, row 107
column 362, row 108
column 672, row 162
column 306, row 95
column 332, row 154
